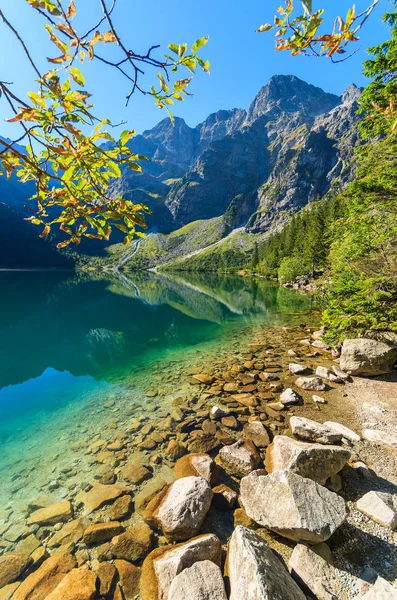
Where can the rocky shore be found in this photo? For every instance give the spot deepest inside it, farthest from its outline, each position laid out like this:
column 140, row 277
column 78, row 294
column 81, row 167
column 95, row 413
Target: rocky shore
column 272, row 476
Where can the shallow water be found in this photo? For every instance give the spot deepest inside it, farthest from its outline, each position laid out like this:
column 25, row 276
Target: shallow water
column 79, row 353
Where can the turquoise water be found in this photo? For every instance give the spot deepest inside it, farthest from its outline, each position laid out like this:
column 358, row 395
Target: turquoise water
column 71, row 343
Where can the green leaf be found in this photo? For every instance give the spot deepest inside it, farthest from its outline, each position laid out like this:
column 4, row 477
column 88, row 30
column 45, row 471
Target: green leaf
column 36, row 99
column 126, row 136
column 77, row 75
column 174, row 48
column 199, row 43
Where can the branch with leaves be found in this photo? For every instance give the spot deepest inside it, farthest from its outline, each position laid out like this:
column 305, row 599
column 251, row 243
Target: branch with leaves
column 300, row 33
column 73, row 169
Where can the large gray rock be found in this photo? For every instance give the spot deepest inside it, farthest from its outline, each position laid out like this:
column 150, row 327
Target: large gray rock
column 180, row 509
column 240, row 458
column 314, row 567
column 256, row 433
column 347, row 433
column 380, row 437
column 315, row 461
column 364, row 357
column 163, row 564
column 255, row 573
column 380, row 507
column 292, row 506
column 201, row 581
column 311, row 431
column 381, row 590
column 315, row 384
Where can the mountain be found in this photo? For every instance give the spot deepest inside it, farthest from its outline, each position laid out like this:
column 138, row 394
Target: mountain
column 249, row 170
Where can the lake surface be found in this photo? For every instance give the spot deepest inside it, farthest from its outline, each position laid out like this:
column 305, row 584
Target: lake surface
column 79, row 354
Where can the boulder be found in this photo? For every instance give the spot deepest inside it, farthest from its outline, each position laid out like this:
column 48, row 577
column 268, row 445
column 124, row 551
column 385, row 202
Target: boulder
column 311, row 431
column 201, row 581
column 364, row 357
column 197, row 465
column 70, row 533
column 12, row 565
column 380, row 437
column 344, row 431
column 255, row 573
column 106, row 573
column 381, row 590
column 315, row 384
column 39, row 584
column 129, row 576
column 292, row 506
column 180, row 509
column 79, row 584
column 240, row 458
column 163, row 564
column 315, row 461
column 256, row 433
column 289, row 397
column 55, row 513
column 313, row 566
column 7, row 591
column 101, row 532
column 133, row 544
column 379, row 507
column 325, row 373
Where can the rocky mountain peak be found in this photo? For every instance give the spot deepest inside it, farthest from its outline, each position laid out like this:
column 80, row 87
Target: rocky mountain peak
column 288, row 93
column 351, row 94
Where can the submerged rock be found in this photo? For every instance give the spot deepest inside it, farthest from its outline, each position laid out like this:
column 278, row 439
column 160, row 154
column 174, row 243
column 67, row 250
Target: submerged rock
column 12, row 565
column 315, row 461
column 99, row 495
column 255, row 573
column 180, row 509
column 133, row 544
column 201, row 581
column 55, row 513
column 364, row 357
column 292, row 506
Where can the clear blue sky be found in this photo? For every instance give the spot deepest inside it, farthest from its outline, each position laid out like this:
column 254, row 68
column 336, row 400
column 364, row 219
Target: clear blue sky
column 241, row 60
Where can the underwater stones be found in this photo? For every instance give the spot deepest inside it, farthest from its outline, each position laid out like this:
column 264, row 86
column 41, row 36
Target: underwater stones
column 106, row 573
column 315, row 384
column 217, row 412
column 98, row 496
column 133, row 544
column 101, row 532
column 198, row 465
column 204, row 378
column 202, row 581
column 134, row 474
column 180, row 509
column 175, row 450
column 292, row 506
column 256, row 433
column 163, row 564
column 255, row 573
column 44, row 580
column 315, row 461
column 379, row 507
column 79, row 583
column 311, row 431
column 245, row 399
column 230, row 422
column 70, row 533
column 367, row 358
column 55, row 513
column 289, row 397
column 12, row 566
column 239, row 458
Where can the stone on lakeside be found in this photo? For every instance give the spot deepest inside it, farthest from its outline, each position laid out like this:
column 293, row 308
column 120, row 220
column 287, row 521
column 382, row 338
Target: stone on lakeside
column 175, row 450
column 12, row 565
column 364, row 357
column 256, row 433
column 39, row 584
column 314, row 461
column 224, row 497
column 55, row 513
column 340, row 373
column 319, row 399
column 239, row 458
column 29, row 544
column 180, row 509
column 197, row 465
column 205, row 379
column 255, row 573
column 79, row 584
column 162, row 565
column 292, row 506
column 135, row 474
column 129, row 576
column 297, row 369
column 121, row 508
column 201, row 581
column 203, row 443
column 106, row 573
column 381, row 590
column 380, row 437
column 99, row 495
column 230, row 422
column 149, row 491
column 289, row 396
column 133, row 544
column 325, row 373
column 311, row 431
column 379, row 507
column 320, row 345
column 7, row 591
column 342, row 429
column 101, row 532
column 313, row 566
column 217, row 412
column 315, row 384
column 70, row 533
column 245, row 399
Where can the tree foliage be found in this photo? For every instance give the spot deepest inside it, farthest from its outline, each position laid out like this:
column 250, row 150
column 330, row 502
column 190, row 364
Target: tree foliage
column 65, row 154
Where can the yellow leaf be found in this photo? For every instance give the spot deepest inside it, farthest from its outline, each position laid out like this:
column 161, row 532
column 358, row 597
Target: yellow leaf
column 109, row 36
column 71, row 12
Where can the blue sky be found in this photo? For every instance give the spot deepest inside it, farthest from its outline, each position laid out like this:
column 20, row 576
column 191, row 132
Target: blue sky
column 241, row 60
